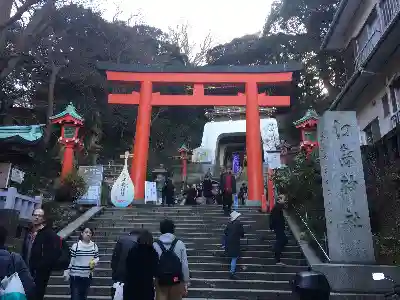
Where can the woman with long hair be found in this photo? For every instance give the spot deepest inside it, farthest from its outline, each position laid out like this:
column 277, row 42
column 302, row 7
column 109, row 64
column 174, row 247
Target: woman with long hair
column 84, row 258
column 141, row 266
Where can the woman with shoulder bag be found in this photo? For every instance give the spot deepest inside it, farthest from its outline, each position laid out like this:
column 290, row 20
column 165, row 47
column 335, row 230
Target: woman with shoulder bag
column 84, row 258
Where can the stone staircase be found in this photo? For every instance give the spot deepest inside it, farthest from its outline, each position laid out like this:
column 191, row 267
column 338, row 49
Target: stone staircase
column 201, row 229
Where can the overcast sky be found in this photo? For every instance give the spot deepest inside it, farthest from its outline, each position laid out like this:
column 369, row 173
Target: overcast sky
column 225, row 19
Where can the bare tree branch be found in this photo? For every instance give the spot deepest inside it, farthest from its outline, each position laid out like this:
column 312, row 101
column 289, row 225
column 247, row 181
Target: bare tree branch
column 196, row 53
column 20, row 11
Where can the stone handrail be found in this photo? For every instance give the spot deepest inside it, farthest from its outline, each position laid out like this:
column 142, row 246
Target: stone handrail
column 11, row 199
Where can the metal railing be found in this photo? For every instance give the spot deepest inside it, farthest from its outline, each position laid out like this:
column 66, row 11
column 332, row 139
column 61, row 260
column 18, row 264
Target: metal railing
column 367, row 48
column 303, row 220
column 389, row 9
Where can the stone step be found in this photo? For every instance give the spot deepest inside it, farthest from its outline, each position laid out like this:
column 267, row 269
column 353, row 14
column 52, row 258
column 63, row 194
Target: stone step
column 198, row 240
column 284, row 296
column 210, row 246
column 242, row 266
column 107, row 252
column 220, row 258
column 102, row 293
column 100, row 283
column 217, row 274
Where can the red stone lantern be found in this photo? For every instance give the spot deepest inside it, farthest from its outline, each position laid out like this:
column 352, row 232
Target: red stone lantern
column 70, row 122
column 184, row 156
column 308, row 126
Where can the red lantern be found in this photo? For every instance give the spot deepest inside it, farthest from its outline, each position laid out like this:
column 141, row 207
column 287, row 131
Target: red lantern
column 70, row 122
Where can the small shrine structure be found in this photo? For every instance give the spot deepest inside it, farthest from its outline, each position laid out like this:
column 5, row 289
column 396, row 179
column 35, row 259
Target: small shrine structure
column 70, row 122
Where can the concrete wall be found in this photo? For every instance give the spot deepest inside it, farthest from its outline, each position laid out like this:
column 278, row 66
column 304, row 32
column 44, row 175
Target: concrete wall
column 359, row 20
column 370, row 101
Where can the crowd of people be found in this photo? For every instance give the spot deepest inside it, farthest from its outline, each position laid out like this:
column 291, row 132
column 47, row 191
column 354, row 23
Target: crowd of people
column 142, row 268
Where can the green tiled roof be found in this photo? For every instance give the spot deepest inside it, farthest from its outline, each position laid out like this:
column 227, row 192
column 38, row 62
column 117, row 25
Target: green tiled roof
column 69, row 110
column 310, row 114
column 29, row 133
column 183, row 148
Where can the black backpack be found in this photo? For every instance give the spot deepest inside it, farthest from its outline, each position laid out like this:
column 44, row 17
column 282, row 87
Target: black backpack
column 169, row 270
column 64, row 257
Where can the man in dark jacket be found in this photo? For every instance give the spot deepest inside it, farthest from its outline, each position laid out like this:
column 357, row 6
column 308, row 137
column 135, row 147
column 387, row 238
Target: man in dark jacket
column 228, row 189
column 207, row 190
column 277, row 224
column 120, row 254
column 233, row 232
column 11, row 263
column 169, row 191
column 40, row 251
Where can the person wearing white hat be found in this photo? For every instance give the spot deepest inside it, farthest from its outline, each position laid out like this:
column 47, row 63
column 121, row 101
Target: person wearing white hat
column 234, row 231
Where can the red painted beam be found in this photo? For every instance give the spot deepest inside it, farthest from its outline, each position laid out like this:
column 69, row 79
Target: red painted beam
column 201, row 77
column 199, row 100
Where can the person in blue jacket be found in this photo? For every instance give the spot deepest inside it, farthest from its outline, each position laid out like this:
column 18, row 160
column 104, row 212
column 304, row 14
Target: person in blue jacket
column 11, row 262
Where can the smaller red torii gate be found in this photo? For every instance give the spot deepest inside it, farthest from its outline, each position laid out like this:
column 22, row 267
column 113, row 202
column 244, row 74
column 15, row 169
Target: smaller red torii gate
column 251, row 77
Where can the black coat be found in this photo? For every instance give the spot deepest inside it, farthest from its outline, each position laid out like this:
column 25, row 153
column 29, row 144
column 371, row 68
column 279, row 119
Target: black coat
column 44, row 252
column 120, row 254
column 141, row 266
column 207, row 188
column 234, row 231
column 277, row 220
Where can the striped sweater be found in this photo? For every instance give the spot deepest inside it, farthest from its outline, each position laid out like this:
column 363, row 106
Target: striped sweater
column 81, row 255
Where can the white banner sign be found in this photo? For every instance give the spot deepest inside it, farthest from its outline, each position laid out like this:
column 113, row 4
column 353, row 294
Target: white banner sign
column 93, row 176
column 5, row 169
column 123, row 190
column 150, row 194
column 273, row 160
column 17, row 175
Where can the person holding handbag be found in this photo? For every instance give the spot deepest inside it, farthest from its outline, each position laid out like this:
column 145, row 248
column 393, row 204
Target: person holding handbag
column 84, row 258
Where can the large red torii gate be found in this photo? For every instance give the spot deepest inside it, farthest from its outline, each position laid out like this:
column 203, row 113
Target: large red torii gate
column 198, row 77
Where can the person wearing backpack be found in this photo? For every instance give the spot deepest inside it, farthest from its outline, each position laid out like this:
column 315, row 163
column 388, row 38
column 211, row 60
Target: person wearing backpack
column 11, row 262
column 172, row 274
column 84, row 258
column 43, row 251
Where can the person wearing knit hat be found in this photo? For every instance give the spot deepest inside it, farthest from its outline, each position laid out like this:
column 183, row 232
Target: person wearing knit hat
column 233, row 232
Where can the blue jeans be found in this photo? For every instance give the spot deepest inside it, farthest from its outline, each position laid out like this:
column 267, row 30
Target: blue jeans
column 79, row 287
column 233, row 265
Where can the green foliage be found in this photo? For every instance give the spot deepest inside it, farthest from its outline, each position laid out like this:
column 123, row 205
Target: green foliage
column 301, row 181
column 71, row 188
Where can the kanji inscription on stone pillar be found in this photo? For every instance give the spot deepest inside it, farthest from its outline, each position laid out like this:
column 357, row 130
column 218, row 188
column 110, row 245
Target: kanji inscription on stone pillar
column 346, row 207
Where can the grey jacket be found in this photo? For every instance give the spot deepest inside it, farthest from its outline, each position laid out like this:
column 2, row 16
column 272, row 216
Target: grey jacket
column 180, row 251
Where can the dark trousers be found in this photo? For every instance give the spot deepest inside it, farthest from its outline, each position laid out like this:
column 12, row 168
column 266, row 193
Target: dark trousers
column 79, row 287
column 227, row 202
column 280, row 243
column 41, row 279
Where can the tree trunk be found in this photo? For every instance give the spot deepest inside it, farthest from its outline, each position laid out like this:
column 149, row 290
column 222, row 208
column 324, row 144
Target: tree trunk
column 50, row 103
column 5, row 12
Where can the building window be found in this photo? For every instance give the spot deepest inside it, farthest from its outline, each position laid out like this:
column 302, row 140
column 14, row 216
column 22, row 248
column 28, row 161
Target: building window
column 385, row 103
column 372, row 132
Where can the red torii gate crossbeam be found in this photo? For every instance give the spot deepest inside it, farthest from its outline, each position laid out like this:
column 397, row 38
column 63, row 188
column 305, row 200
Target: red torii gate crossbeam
column 146, row 98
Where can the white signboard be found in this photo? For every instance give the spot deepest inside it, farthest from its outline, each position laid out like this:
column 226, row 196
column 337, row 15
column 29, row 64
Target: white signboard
column 201, row 155
column 5, row 169
column 150, row 194
column 93, row 176
column 123, row 190
column 273, row 160
column 17, row 175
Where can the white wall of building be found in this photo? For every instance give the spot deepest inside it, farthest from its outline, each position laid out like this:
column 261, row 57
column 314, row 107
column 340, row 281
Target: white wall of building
column 212, row 131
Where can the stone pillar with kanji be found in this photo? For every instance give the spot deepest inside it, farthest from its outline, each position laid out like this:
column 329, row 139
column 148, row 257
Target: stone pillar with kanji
column 70, row 122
